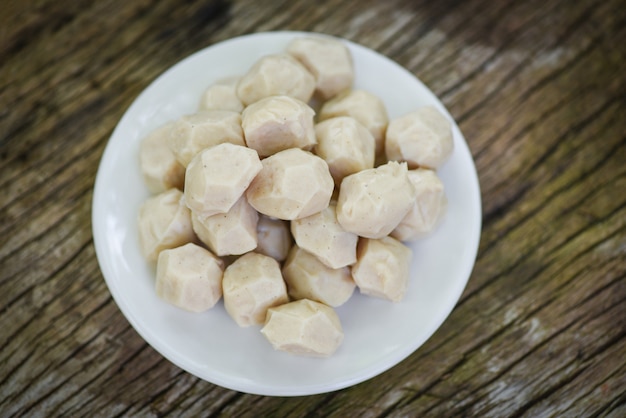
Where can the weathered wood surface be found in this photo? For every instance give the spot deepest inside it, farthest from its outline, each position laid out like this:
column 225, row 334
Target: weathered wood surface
column 539, row 90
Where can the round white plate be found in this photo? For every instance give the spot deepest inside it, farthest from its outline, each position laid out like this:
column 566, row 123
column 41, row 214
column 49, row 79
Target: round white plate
column 378, row 334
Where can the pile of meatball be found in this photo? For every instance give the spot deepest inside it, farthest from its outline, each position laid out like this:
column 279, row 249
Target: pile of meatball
column 287, row 190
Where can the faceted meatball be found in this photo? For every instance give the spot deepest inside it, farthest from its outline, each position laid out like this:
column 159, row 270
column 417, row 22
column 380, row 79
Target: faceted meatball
column 273, row 238
column 217, row 177
column 189, row 277
column 278, row 123
column 382, row 269
column 308, row 278
column 368, row 109
column 304, row 327
column 194, row 133
column 322, row 235
column 276, row 75
column 373, row 202
column 345, row 145
column 422, row 138
column 160, row 168
column 164, row 222
column 292, row 184
column 222, row 96
column 329, row 60
column 428, row 209
column 230, row 233
column 251, row 285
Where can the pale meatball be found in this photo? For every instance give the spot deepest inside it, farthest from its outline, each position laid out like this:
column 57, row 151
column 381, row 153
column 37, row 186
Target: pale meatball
column 276, row 75
column 382, row 269
column 373, row 202
column 189, row 277
column 363, row 106
column 293, row 184
column 304, row 327
column 428, row 209
column 196, row 132
column 222, row 95
column 322, row 235
column 230, row 233
column 273, row 238
column 251, row 285
column 422, row 138
column 345, row 145
column 308, row 278
column 217, row 177
column 329, row 61
column 164, row 222
column 278, row 123
column 160, row 168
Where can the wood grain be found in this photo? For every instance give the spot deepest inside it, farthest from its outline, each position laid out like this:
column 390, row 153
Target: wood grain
column 539, row 91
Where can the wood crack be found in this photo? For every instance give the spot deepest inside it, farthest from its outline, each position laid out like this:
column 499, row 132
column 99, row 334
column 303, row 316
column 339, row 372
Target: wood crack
column 564, row 382
column 610, row 153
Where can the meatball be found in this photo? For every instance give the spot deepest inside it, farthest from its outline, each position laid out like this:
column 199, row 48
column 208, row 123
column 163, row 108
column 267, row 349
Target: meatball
column 373, row 202
column 293, row 184
column 278, row 123
column 422, row 138
column 304, row 327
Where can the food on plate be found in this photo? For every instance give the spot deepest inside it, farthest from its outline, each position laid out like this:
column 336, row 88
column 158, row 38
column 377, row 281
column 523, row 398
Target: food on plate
column 164, row 222
column 422, row 138
column 230, row 233
column 222, row 95
column 382, row 268
column 363, row 106
column 346, row 145
column 189, row 277
column 373, row 202
column 252, row 284
column 276, row 75
column 218, row 176
column 428, row 208
column 273, row 237
column 293, row 209
column 323, row 236
column 160, row 168
column 308, row 278
column 304, row 327
column 278, row 123
column 292, row 184
column 198, row 131
column 329, row 61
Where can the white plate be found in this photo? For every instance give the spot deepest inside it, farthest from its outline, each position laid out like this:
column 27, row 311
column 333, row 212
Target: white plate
column 378, row 334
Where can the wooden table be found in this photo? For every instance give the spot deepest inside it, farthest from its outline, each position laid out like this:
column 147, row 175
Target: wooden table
column 539, row 89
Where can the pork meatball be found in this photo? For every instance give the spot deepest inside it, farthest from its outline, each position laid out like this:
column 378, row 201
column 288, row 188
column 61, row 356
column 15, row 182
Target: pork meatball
column 251, row 285
column 217, row 177
column 308, row 278
column 329, row 61
column 345, row 145
column 276, row 75
column 189, row 277
column 363, row 106
column 382, row 268
column 293, row 184
column 373, row 202
column 304, row 327
column 428, row 209
column 278, row 123
column 164, row 222
column 222, row 95
column 230, row 233
column 196, row 132
column 422, row 138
